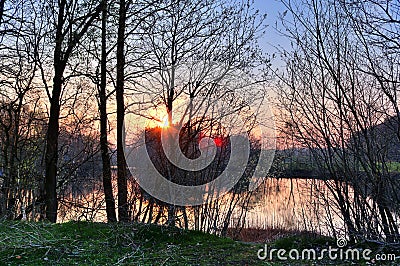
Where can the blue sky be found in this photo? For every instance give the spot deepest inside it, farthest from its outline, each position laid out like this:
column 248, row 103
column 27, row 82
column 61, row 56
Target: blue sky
column 272, row 38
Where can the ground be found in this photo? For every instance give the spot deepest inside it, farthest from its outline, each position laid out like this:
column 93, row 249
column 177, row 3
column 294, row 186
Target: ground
column 85, row 243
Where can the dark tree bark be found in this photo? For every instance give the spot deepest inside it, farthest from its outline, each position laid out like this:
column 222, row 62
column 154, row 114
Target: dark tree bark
column 60, row 61
column 2, row 2
column 121, row 178
column 53, row 126
column 105, row 156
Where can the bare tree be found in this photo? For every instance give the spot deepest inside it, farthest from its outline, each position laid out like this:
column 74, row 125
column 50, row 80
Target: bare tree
column 2, row 2
column 121, row 178
column 377, row 27
column 19, row 101
column 334, row 107
column 161, row 51
column 109, row 58
column 107, row 184
column 196, row 49
column 69, row 29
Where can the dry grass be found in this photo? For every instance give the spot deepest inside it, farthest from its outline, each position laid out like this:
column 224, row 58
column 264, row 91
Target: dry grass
column 261, row 235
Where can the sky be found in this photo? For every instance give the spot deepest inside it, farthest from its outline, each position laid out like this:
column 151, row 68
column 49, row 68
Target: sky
column 272, row 38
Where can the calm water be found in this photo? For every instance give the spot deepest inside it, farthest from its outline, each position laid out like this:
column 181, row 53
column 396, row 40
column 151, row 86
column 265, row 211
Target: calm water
column 303, row 204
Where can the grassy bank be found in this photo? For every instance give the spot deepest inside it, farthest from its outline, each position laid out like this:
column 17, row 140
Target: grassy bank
column 82, row 243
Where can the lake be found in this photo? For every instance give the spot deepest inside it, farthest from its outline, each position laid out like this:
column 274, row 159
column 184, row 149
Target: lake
column 292, row 204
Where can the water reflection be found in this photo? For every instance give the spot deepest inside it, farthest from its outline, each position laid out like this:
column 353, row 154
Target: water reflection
column 292, row 204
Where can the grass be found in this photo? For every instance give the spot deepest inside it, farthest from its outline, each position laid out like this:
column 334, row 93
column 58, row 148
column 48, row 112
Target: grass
column 85, row 243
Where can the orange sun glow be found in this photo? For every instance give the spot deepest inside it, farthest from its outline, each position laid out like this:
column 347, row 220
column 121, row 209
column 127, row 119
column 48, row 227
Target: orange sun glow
column 163, row 122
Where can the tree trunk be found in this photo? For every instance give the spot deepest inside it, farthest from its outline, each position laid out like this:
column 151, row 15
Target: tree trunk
column 12, row 170
column 60, row 62
column 105, row 156
column 121, row 179
column 52, row 151
column 2, row 2
column 51, row 157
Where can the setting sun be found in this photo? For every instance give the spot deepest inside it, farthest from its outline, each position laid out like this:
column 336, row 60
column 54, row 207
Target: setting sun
column 164, row 122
